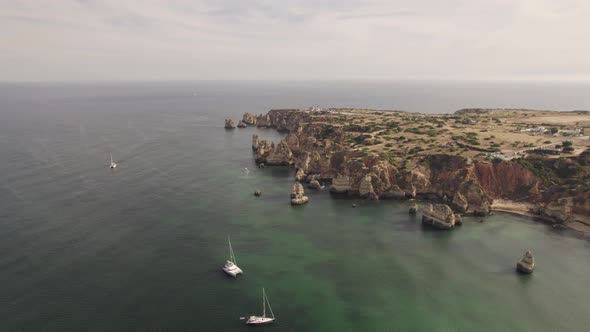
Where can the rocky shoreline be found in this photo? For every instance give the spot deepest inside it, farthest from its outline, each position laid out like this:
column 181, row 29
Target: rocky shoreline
column 330, row 147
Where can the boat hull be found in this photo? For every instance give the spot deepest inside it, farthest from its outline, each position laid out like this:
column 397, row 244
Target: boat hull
column 233, row 271
column 255, row 320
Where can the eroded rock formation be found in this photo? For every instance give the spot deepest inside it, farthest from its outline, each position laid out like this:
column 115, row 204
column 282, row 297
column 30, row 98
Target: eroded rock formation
column 229, row 124
column 298, row 195
column 527, row 263
column 242, row 124
column 439, row 216
column 317, row 148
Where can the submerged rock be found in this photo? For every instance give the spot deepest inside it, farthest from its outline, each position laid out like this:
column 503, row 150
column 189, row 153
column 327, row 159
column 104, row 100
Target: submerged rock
column 229, row 124
column 298, row 195
column 439, row 216
column 526, row 264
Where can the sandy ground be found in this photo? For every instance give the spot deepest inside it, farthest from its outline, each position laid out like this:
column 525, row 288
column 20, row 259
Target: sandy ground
column 580, row 223
column 512, row 207
column 563, row 119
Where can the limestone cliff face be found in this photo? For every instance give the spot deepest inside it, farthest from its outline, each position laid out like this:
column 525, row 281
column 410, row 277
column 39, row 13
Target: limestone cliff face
column 280, row 155
column 318, row 150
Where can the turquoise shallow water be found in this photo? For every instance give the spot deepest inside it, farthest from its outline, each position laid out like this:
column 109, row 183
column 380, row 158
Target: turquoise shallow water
column 141, row 248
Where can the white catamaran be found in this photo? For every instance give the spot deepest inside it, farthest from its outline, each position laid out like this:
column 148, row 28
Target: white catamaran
column 231, row 266
column 113, row 165
column 260, row 320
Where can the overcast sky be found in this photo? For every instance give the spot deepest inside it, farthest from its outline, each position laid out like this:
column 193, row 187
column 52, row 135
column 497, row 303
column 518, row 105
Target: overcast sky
column 294, row 39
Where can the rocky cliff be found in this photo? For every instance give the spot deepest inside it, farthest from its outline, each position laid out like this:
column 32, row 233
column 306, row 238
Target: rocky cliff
column 317, row 145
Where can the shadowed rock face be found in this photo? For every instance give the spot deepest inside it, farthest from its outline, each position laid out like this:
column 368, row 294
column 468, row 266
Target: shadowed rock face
column 439, row 216
column 527, row 263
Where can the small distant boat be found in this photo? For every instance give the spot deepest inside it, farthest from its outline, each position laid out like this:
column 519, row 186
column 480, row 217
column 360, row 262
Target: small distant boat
column 260, row 320
column 231, row 266
column 113, row 165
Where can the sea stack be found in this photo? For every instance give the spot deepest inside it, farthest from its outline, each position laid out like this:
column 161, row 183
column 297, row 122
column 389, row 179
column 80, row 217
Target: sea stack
column 438, row 216
column 526, row 264
column 229, row 124
column 298, row 195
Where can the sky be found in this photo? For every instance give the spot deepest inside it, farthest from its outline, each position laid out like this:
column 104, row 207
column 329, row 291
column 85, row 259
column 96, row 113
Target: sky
column 88, row 40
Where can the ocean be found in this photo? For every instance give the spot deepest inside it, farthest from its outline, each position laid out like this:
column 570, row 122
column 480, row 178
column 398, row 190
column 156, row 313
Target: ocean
column 140, row 247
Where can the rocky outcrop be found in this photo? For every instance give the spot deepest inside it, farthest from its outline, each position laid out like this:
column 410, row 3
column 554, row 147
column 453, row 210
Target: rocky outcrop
column 314, row 184
column 263, row 120
column 317, row 146
column 560, row 210
column 249, row 119
column 299, row 175
column 279, row 155
column 242, row 124
column 439, row 216
column 229, row 124
column 366, row 188
column 298, row 195
column 340, row 184
column 526, row 264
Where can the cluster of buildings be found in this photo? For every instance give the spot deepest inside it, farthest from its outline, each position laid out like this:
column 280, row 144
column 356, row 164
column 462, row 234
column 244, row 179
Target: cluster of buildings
column 504, row 155
column 575, row 132
column 535, row 131
column 314, row 108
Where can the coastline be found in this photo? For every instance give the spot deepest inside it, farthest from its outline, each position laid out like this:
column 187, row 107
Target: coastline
column 376, row 154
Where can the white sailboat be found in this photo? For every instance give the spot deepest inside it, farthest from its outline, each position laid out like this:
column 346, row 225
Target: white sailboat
column 231, row 266
column 260, row 320
column 113, row 165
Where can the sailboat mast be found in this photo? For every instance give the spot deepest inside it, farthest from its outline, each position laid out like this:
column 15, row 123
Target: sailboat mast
column 263, row 303
column 269, row 308
column 231, row 252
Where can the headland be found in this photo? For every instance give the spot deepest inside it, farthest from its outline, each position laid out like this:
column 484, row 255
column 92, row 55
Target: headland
column 529, row 162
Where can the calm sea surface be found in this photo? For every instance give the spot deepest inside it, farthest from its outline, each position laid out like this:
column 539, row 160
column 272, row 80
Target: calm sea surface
column 140, row 248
